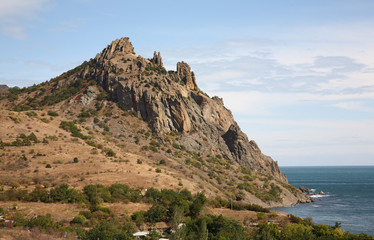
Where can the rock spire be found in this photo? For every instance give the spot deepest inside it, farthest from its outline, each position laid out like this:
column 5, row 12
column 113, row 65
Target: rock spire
column 157, row 59
column 188, row 77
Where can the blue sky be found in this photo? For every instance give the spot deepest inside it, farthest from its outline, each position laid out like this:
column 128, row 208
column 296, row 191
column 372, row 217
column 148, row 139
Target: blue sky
column 297, row 75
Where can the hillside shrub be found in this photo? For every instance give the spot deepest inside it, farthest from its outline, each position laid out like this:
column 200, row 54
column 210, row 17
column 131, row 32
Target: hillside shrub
column 53, row 113
column 71, row 127
column 79, row 219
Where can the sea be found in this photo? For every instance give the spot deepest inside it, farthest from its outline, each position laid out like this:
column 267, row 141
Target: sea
column 348, row 196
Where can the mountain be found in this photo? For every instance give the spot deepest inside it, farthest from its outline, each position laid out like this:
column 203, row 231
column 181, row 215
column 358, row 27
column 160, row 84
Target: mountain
column 133, row 121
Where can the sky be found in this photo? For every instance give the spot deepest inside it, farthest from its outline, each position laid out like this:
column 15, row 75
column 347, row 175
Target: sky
column 297, row 75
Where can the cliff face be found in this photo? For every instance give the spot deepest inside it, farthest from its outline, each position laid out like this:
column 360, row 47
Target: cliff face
column 172, row 102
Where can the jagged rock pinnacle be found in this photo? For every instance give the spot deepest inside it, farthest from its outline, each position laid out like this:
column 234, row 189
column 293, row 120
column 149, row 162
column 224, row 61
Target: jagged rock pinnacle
column 157, row 59
column 188, row 77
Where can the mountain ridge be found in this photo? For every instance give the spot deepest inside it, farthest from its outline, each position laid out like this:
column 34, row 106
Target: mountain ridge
column 117, row 85
column 174, row 113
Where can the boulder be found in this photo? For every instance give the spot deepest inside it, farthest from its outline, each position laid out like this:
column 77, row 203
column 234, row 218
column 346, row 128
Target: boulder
column 305, row 190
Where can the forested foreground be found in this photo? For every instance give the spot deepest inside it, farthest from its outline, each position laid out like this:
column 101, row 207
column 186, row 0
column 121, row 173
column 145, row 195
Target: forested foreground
column 180, row 211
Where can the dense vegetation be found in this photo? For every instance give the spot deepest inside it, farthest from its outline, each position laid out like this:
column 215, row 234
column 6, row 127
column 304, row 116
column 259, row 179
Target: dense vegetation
column 181, row 209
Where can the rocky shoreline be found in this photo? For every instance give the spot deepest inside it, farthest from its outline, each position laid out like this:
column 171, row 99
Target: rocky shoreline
column 311, row 195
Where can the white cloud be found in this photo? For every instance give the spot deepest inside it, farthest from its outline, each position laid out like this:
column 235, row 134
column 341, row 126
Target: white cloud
column 353, row 105
column 15, row 15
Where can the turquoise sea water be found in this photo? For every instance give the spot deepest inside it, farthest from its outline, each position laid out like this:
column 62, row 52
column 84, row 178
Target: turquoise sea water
column 349, row 197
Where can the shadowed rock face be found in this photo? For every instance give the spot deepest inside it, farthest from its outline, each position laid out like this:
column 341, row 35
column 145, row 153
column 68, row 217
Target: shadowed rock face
column 171, row 101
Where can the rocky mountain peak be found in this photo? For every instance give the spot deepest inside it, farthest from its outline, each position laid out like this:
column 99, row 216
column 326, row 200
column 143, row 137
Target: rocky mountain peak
column 119, row 47
column 170, row 102
column 135, row 105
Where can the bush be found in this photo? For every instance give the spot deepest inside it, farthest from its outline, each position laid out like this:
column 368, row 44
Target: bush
column 43, row 222
column 71, row 127
column 48, row 165
column 45, row 120
column 154, row 143
column 88, row 113
column 109, row 152
column 75, row 160
column 79, row 219
column 32, row 114
column 153, row 148
column 53, row 113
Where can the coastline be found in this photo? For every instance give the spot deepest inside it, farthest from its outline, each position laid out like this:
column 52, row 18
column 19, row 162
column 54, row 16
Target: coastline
column 347, row 199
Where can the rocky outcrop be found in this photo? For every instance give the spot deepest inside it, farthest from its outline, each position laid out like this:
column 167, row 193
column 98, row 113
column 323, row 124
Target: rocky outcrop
column 171, row 101
column 248, row 154
column 89, row 95
column 118, row 47
column 305, row 190
column 4, row 88
column 157, row 59
column 185, row 74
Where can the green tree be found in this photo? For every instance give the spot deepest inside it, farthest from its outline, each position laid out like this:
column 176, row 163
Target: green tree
column 267, row 232
column 178, row 227
column 197, row 204
column 294, row 231
column 105, row 231
column 138, row 218
column 157, row 213
column 65, row 194
column 203, row 234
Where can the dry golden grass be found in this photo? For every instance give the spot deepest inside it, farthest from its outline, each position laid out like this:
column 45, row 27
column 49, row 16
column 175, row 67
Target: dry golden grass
column 90, row 169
